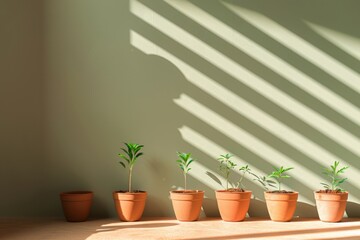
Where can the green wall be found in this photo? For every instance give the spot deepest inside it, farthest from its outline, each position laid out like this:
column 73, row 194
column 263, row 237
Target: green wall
column 275, row 83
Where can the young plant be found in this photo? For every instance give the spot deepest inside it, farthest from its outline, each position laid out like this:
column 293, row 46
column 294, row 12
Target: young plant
column 244, row 170
column 226, row 165
column 132, row 153
column 279, row 174
column 184, row 162
column 333, row 173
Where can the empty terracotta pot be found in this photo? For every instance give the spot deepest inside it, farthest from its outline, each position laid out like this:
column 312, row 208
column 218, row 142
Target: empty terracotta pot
column 281, row 206
column 76, row 205
column 187, row 204
column 233, row 206
column 129, row 206
column 331, row 206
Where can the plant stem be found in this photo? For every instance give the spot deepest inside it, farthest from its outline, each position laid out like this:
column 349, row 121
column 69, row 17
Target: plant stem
column 227, row 180
column 185, row 180
column 240, row 181
column 130, row 175
column 279, row 185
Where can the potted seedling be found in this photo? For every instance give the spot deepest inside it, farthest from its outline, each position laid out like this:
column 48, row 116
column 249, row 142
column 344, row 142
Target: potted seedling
column 186, row 203
column 281, row 204
column 130, row 203
column 331, row 202
column 233, row 202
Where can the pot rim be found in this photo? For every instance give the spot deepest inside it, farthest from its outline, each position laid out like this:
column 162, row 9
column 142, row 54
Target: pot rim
column 278, row 193
column 129, row 193
column 328, row 193
column 232, row 192
column 186, row 191
column 76, row 193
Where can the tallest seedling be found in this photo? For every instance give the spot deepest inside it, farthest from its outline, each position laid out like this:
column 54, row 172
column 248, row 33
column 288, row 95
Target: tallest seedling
column 132, row 153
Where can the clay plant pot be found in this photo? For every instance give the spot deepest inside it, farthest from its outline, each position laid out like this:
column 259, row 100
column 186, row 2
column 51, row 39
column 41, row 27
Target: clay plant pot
column 129, row 206
column 187, row 204
column 76, row 205
column 233, row 206
column 281, row 206
column 331, row 206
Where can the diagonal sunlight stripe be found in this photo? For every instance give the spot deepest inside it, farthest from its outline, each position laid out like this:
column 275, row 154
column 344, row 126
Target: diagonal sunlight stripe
column 214, row 150
column 242, row 137
column 238, row 104
column 347, row 43
column 267, row 58
column 299, row 45
column 232, row 68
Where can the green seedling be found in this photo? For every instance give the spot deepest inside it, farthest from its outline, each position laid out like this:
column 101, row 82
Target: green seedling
column 244, row 170
column 226, row 167
column 334, row 174
column 132, row 153
column 279, row 174
column 184, row 162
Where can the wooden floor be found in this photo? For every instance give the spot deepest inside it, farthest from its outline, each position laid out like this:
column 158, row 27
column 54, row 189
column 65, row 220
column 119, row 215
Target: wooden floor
column 166, row 228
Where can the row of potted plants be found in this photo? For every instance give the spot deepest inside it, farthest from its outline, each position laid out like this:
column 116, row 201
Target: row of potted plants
column 233, row 201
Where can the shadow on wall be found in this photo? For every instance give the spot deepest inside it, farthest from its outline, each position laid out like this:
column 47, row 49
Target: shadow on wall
column 247, row 78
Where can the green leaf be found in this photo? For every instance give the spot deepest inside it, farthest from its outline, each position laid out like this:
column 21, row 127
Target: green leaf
column 122, row 164
column 342, row 180
column 124, row 157
column 342, row 170
column 189, row 162
column 125, row 151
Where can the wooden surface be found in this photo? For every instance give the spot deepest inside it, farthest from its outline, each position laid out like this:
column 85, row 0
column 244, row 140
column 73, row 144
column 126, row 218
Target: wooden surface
column 168, row 228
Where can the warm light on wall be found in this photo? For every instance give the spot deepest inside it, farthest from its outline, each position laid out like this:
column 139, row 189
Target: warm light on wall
column 268, row 59
column 243, row 75
column 300, row 46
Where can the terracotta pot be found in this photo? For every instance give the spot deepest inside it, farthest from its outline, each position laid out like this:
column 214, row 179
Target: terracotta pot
column 129, row 206
column 187, row 204
column 331, row 206
column 233, row 206
column 76, row 205
column 281, row 206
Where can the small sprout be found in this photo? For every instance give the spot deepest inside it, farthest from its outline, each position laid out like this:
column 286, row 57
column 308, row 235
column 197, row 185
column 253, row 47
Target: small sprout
column 226, row 165
column 279, row 174
column 184, row 162
column 334, row 174
column 244, row 170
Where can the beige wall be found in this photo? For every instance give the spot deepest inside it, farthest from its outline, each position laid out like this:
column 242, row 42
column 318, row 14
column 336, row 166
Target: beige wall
column 275, row 84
